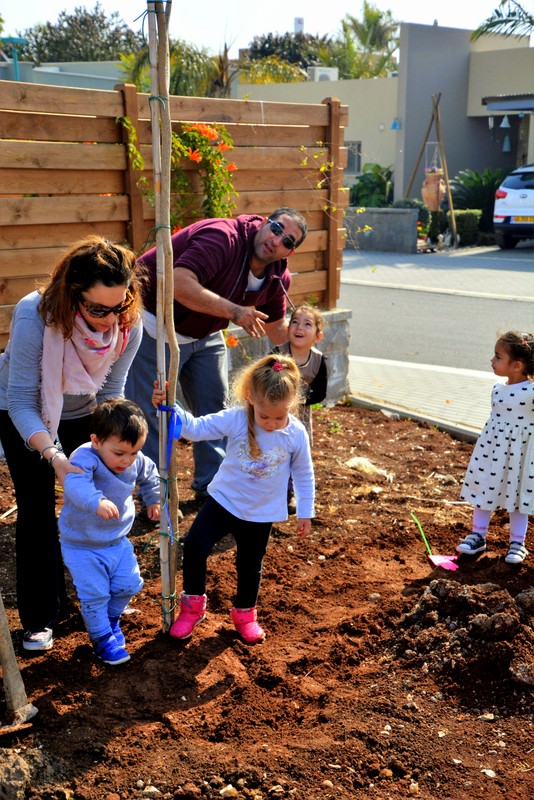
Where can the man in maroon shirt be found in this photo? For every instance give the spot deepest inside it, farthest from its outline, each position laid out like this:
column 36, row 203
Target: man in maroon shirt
column 225, row 270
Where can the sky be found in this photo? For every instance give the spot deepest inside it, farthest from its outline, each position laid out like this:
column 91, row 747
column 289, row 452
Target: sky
column 212, row 23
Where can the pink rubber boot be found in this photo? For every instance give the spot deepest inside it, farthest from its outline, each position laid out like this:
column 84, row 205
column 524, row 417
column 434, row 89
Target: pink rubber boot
column 244, row 620
column 192, row 611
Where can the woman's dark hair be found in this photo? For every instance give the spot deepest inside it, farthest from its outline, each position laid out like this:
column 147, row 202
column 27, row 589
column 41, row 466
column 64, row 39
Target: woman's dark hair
column 87, row 262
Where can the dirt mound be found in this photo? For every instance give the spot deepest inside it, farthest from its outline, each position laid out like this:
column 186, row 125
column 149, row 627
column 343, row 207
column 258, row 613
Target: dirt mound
column 381, row 676
column 481, row 630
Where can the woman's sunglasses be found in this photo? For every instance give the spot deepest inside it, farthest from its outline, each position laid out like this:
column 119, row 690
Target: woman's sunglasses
column 278, row 230
column 98, row 311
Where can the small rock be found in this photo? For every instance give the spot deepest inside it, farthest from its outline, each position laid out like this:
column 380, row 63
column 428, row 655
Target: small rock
column 489, row 772
column 229, row 791
column 290, row 548
column 151, row 791
column 375, row 597
column 328, row 784
column 487, row 717
column 413, row 788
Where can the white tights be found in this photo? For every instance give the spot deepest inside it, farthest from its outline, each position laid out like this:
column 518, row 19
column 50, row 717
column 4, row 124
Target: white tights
column 518, row 524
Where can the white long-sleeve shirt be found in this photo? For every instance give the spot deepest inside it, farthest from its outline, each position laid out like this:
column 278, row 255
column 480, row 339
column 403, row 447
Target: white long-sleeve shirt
column 255, row 489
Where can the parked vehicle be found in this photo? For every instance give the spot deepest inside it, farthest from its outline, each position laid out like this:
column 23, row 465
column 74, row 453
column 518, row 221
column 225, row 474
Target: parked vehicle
column 513, row 213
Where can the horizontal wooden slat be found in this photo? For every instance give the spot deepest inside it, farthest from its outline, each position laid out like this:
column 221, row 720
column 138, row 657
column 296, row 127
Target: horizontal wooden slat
column 49, row 155
column 58, row 128
column 12, row 289
column 43, row 98
column 61, row 181
column 309, row 282
column 59, row 235
column 24, row 263
column 42, row 210
column 201, row 109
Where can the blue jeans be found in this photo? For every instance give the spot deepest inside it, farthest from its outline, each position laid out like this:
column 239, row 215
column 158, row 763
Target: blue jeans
column 106, row 579
column 203, row 376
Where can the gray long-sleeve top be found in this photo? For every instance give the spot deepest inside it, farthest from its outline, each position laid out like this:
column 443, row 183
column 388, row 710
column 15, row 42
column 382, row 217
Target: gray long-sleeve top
column 79, row 524
column 20, row 372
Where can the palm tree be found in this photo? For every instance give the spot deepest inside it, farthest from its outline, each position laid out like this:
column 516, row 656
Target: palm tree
column 376, row 32
column 192, row 70
column 365, row 47
column 509, row 19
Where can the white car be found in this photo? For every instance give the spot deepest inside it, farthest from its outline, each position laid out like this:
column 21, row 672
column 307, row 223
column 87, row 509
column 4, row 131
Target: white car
column 513, row 213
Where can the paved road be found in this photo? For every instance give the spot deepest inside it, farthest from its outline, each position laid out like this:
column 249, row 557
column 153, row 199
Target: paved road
column 429, row 327
column 459, row 291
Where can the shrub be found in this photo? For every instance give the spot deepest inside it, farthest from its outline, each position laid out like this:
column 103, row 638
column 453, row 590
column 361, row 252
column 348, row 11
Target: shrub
column 471, row 189
column 414, row 202
column 467, row 224
column 438, row 224
column 373, row 188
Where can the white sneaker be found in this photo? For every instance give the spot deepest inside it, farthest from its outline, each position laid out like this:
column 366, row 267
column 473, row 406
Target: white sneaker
column 472, row 544
column 38, row 640
column 517, row 552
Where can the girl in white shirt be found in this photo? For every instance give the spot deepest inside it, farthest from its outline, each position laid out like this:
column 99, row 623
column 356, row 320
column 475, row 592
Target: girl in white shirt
column 266, row 445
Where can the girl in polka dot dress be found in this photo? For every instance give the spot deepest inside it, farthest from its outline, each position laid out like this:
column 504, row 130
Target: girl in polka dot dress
column 501, row 470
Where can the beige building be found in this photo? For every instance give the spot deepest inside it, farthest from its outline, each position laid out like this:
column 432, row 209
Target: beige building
column 486, row 91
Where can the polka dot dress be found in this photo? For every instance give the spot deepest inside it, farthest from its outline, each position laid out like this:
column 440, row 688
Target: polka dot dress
column 501, row 470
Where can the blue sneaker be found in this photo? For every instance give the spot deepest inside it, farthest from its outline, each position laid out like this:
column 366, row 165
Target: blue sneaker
column 116, row 630
column 109, row 650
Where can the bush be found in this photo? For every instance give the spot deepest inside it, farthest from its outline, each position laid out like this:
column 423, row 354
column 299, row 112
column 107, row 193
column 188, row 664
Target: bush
column 467, row 223
column 438, row 224
column 414, row 202
column 373, row 188
column 471, row 189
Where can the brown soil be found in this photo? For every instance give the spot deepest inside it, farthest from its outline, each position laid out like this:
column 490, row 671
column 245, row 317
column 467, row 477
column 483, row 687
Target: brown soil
column 381, row 676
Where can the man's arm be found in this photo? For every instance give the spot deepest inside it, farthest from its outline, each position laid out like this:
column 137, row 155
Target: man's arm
column 190, row 293
column 277, row 331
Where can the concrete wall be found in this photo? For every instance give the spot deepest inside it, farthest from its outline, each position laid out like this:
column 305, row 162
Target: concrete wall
column 392, row 230
column 335, row 345
column 499, row 72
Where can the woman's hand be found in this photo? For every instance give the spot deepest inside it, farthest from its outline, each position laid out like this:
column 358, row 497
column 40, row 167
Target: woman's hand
column 62, row 467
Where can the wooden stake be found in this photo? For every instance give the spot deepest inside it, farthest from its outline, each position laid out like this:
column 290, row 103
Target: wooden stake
column 158, row 18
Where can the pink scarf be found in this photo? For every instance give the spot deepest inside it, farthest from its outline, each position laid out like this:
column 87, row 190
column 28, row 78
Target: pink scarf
column 78, row 365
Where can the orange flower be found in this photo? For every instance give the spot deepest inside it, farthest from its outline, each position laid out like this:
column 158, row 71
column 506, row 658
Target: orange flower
column 232, row 167
column 205, row 130
column 194, row 155
column 222, row 146
column 231, row 341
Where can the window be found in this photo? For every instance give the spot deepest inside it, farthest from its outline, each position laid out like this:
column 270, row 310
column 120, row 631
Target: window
column 354, row 158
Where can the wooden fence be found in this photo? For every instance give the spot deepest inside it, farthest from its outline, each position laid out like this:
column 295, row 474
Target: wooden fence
column 65, row 173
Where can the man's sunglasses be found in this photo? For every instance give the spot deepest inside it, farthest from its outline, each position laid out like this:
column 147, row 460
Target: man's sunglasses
column 278, row 230
column 98, row 311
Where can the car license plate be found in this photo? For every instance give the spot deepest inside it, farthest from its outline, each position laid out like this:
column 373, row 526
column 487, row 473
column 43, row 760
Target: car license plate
column 522, row 219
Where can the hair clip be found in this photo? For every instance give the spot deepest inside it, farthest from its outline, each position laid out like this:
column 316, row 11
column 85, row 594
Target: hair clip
column 277, row 366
